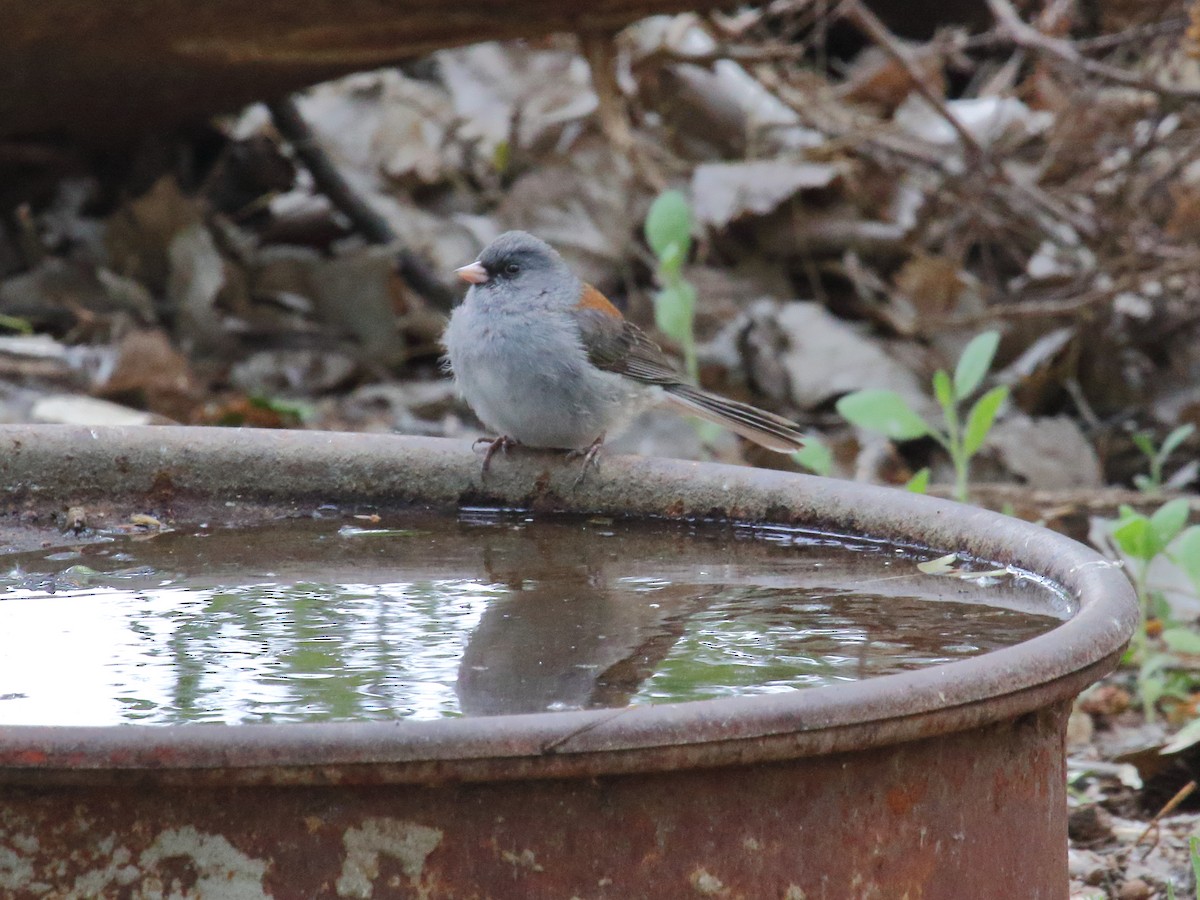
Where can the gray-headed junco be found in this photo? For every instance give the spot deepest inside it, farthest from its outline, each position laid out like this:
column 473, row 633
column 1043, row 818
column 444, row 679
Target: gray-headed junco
column 547, row 361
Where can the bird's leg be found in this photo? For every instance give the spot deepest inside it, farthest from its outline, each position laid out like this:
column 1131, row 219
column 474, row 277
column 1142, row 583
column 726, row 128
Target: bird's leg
column 590, row 457
column 493, row 445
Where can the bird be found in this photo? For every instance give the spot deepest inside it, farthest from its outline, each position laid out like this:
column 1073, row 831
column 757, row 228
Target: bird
column 547, row 361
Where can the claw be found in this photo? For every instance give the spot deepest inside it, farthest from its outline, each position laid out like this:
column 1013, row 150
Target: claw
column 590, row 458
column 501, row 443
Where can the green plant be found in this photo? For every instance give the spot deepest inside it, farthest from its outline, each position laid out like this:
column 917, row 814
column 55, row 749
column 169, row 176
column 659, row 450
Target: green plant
column 669, row 234
column 1194, row 856
column 15, row 323
column 1158, row 456
column 1142, row 539
column 888, row 412
column 815, row 456
column 919, row 483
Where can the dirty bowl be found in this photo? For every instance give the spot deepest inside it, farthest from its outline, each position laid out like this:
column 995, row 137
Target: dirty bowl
column 945, row 782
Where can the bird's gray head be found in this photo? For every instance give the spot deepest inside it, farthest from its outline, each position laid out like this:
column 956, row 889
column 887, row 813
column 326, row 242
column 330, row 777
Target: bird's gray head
column 519, row 265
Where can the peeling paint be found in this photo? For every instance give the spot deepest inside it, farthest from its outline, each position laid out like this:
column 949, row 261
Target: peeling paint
column 526, row 859
column 15, row 870
column 707, row 885
column 406, row 842
column 223, row 872
column 119, row 870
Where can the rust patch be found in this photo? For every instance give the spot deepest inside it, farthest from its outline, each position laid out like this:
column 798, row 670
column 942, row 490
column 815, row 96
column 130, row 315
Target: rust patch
column 900, row 800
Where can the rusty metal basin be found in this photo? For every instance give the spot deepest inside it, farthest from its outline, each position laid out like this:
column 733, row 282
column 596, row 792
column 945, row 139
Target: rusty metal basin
column 947, row 782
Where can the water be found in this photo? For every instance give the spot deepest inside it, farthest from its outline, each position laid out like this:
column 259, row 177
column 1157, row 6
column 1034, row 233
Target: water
column 490, row 613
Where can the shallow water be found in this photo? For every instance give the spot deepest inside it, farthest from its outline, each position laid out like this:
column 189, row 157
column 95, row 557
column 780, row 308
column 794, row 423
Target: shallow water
column 426, row 617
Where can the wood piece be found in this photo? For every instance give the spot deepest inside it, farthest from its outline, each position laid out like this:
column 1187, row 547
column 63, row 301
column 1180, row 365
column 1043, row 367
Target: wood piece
column 111, row 71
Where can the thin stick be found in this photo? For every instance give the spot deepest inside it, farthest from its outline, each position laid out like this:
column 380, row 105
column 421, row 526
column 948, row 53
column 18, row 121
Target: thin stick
column 864, row 18
column 1025, row 35
column 365, row 219
column 1182, row 794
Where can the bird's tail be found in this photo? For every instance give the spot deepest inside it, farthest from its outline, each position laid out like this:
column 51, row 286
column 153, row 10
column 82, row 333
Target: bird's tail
column 771, row 431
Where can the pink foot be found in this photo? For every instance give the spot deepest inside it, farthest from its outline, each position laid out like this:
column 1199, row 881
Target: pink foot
column 501, row 443
column 590, row 457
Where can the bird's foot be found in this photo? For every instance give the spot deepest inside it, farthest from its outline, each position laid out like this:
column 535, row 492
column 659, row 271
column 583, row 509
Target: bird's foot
column 590, row 458
column 494, row 445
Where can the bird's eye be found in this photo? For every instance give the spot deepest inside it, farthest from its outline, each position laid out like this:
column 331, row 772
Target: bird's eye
column 512, row 269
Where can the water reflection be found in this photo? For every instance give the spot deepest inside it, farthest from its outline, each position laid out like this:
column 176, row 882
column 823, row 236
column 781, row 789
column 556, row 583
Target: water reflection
column 489, row 614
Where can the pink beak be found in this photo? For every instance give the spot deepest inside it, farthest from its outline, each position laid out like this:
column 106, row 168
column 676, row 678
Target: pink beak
column 474, row 273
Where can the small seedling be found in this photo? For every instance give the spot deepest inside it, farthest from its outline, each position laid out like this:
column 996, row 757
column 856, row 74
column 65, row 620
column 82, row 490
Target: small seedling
column 888, row 412
column 669, row 234
column 15, row 323
column 919, row 483
column 1194, row 856
column 1143, row 539
column 1158, row 456
column 815, row 456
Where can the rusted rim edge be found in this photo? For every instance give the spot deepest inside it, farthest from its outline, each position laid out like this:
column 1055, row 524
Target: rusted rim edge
column 52, row 466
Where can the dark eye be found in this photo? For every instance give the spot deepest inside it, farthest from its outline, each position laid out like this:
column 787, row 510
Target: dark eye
column 512, row 269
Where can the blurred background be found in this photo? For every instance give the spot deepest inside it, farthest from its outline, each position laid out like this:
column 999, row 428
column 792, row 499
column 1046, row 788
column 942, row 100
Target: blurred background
column 193, row 229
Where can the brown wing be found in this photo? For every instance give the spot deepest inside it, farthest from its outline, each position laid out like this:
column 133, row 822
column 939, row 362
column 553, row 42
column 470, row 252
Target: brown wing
column 617, row 345
column 624, row 348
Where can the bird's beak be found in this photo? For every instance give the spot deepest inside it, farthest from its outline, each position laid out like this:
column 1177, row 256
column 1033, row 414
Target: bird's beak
column 474, row 273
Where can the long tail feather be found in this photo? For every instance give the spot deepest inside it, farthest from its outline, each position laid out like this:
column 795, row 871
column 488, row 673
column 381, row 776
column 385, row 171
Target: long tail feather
column 771, row 431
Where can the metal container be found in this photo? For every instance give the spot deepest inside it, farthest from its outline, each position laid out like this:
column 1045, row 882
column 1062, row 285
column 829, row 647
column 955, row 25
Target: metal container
column 947, row 782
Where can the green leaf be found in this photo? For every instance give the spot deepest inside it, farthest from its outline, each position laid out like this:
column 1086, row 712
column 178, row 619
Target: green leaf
column 981, row 417
column 502, row 157
column 1144, row 441
column 943, row 390
column 974, row 363
column 1172, row 441
column 670, row 262
column 1133, row 536
column 884, row 411
column 1182, row 640
column 815, row 456
column 669, row 222
column 1194, row 854
column 16, row 323
column 1168, row 521
column 1187, row 736
column 674, row 308
column 919, row 483
column 1185, row 553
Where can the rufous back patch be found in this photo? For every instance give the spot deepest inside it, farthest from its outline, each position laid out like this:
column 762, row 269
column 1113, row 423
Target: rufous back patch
column 593, row 299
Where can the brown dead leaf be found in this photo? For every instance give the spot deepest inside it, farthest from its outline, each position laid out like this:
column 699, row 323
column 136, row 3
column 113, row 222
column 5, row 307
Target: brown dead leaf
column 933, row 284
column 140, row 233
column 244, row 412
column 1038, row 374
column 880, row 80
column 1193, row 30
column 1184, row 224
column 151, row 374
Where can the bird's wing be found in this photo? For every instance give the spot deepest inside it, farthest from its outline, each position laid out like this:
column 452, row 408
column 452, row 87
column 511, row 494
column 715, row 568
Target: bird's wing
column 617, row 345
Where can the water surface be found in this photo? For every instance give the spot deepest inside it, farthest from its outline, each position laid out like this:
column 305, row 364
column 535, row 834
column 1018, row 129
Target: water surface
column 425, row 617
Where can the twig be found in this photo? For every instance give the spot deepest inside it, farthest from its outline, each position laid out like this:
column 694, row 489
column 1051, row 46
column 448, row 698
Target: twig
column 860, row 15
column 1182, row 794
column 976, row 156
column 599, row 49
column 1144, row 31
column 365, row 219
column 1025, row 35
